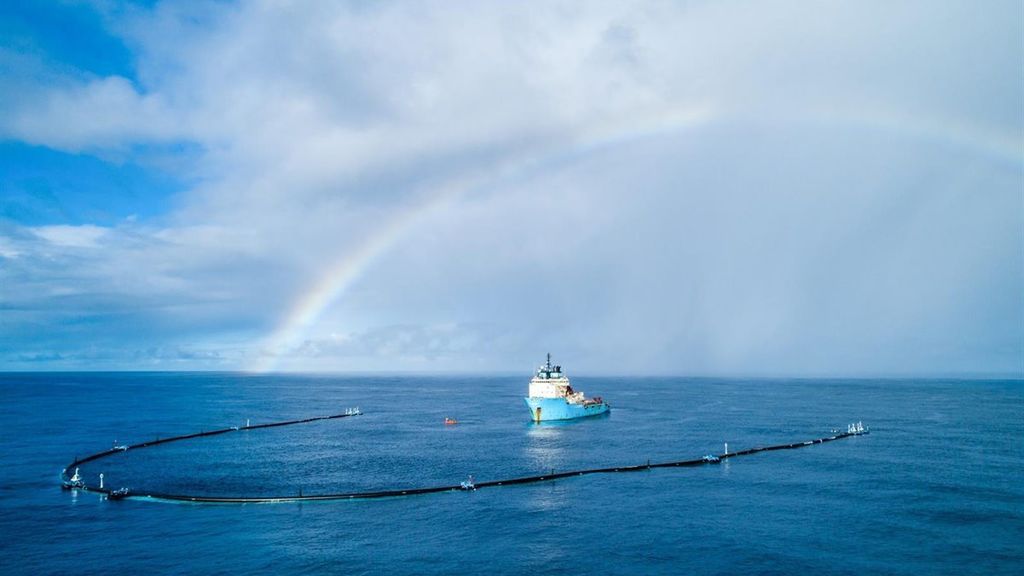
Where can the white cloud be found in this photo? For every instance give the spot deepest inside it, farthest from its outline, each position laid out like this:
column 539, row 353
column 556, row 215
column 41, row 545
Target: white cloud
column 99, row 114
column 677, row 185
column 7, row 249
column 84, row 236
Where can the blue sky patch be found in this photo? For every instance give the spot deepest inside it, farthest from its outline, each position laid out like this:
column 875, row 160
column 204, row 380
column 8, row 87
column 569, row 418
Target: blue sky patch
column 41, row 186
column 70, row 33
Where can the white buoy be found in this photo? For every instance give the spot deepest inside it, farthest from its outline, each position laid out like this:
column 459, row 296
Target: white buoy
column 726, row 447
column 246, row 422
column 101, row 480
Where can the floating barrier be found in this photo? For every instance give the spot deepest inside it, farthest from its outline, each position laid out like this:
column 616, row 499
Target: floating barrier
column 77, row 483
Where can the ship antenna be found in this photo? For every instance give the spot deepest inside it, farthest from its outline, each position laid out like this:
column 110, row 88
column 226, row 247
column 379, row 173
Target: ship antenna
column 549, row 361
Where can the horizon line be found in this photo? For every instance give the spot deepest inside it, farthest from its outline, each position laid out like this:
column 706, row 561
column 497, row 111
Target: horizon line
column 517, row 373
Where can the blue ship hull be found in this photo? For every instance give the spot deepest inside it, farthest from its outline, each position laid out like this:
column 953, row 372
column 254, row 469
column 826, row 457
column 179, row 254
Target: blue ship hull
column 544, row 409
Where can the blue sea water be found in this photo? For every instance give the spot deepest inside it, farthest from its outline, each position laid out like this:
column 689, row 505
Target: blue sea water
column 937, row 488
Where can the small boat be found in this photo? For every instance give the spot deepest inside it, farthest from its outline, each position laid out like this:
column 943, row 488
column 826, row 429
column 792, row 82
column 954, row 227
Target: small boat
column 119, row 494
column 856, row 429
column 711, row 459
column 467, row 484
column 450, row 421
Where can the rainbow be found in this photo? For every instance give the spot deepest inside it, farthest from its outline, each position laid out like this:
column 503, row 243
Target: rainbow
column 1002, row 147
column 307, row 309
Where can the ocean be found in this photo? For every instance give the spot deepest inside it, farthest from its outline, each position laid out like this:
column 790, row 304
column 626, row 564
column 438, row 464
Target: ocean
column 936, row 488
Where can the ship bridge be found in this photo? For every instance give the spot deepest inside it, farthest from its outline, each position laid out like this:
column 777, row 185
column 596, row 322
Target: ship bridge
column 551, row 382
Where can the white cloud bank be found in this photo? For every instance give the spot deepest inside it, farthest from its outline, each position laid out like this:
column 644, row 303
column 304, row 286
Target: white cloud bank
column 772, row 187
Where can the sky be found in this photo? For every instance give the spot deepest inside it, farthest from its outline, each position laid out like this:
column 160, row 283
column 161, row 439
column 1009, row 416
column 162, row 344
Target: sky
column 773, row 188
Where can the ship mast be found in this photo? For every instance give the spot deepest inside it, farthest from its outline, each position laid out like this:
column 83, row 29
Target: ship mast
column 548, row 365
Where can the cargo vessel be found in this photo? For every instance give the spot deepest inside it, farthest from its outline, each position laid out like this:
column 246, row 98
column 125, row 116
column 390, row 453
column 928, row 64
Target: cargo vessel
column 553, row 398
